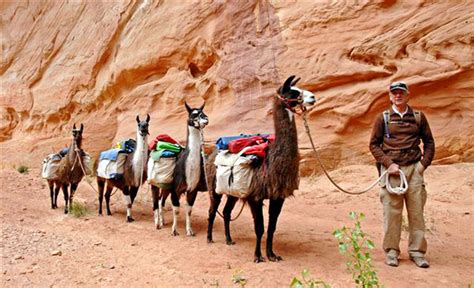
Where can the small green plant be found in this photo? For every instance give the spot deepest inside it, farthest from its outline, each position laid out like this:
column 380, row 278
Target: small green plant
column 78, row 209
column 239, row 278
column 354, row 243
column 22, row 169
column 307, row 282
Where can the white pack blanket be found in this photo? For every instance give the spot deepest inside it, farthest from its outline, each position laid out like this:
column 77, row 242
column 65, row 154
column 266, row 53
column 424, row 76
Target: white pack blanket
column 234, row 174
column 161, row 171
column 50, row 166
column 110, row 169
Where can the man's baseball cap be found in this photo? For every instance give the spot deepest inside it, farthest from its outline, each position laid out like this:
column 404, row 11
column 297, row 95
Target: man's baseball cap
column 399, row 85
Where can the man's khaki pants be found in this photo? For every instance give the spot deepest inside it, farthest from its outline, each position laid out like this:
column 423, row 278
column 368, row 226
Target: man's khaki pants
column 415, row 199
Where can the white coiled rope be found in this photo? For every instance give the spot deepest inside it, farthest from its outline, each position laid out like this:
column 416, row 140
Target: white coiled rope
column 400, row 190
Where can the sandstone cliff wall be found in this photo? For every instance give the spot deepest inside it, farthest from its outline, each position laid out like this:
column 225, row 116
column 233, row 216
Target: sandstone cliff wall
column 103, row 62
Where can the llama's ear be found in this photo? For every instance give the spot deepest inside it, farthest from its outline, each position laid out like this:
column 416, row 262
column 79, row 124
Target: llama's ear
column 74, row 126
column 187, row 107
column 296, row 81
column 147, row 118
column 138, row 119
column 202, row 107
column 82, row 127
column 287, row 85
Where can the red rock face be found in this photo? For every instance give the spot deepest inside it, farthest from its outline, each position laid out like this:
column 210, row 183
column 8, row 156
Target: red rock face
column 102, row 63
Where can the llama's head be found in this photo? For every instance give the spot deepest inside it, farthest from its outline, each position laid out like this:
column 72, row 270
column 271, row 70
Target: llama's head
column 293, row 96
column 143, row 126
column 77, row 134
column 196, row 116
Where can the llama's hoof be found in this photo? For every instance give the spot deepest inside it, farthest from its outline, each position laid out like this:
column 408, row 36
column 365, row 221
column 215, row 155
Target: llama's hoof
column 274, row 258
column 65, row 211
column 158, row 227
column 174, row 233
column 229, row 242
column 190, row 233
column 109, row 213
column 130, row 219
column 210, row 241
column 258, row 259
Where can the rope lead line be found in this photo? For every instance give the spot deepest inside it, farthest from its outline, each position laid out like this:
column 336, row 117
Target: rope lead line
column 205, row 176
column 394, row 190
column 85, row 174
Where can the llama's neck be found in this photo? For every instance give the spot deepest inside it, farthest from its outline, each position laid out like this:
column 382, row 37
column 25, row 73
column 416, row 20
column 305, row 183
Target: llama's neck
column 285, row 129
column 193, row 159
column 71, row 153
column 282, row 173
column 139, row 159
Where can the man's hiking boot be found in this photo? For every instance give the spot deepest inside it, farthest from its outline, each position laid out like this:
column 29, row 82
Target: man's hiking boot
column 420, row 262
column 391, row 260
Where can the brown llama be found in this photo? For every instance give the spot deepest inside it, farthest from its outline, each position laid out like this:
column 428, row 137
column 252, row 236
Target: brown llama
column 276, row 178
column 134, row 172
column 188, row 175
column 70, row 171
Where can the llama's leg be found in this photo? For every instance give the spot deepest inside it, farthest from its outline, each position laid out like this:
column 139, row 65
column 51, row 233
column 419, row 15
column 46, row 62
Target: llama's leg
column 155, row 193
column 133, row 193
column 56, row 194
column 229, row 206
column 274, row 212
column 51, row 192
column 175, row 202
column 256, row 207
column 73, row 190
column 100, row 186
column 215, row 200
column 128, row 202
column 190, row 198
column 66, row 196
column 108, row 193
column 164, row 193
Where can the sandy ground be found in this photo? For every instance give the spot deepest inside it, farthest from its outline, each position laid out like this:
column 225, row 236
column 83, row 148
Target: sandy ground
column 106, row 251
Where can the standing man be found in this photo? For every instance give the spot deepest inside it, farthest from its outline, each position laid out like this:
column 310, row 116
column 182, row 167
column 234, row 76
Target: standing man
column 394, row 143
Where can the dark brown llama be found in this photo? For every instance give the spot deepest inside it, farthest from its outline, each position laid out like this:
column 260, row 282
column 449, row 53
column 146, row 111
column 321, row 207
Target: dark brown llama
column 188, row 176
column 276, row 178
column 134, row 172
column 70, row 171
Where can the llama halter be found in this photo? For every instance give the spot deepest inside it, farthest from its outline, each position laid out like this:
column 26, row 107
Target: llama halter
column 299, row 100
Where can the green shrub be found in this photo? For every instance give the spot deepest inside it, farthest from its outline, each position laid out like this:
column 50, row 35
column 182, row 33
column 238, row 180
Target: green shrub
column 22, row 169
column 307, row 282
column 78, row 209
column 354, row 243
column 239, row 278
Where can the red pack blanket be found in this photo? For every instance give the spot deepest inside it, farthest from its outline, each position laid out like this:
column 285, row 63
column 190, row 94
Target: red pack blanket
column 259, row 150
column 258, row 145
column 164, row 138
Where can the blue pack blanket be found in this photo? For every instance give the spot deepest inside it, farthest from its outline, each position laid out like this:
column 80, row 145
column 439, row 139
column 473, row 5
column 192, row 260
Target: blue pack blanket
column 64, row 152
column 223, row 142
column 111, row 154
column 127, row 146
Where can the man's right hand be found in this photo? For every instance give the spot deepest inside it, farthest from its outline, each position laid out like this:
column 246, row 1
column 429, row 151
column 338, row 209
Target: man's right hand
column 393, row 169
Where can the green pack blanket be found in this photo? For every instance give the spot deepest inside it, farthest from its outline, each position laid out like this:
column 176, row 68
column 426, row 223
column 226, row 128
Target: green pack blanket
column 166, row 150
